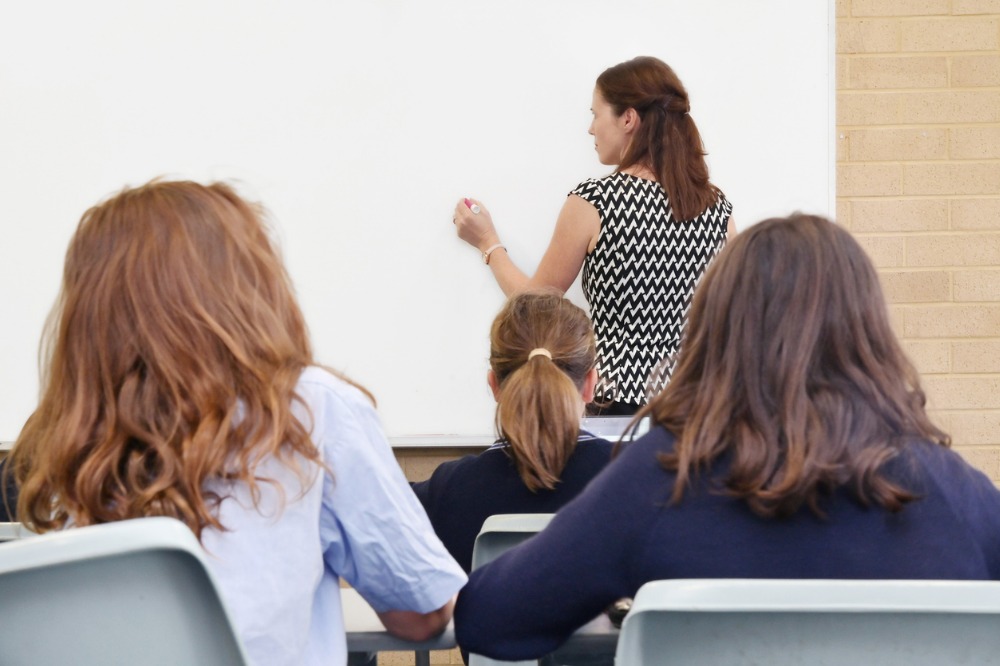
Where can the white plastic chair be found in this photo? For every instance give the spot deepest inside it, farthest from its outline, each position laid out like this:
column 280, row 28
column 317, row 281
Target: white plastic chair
column 14, row 531
column 776, row 622
column 504, row 531
column 499, row 534
column 131, row 592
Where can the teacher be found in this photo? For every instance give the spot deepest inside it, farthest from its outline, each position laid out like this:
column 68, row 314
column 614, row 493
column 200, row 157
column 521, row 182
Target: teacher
column 643, row 235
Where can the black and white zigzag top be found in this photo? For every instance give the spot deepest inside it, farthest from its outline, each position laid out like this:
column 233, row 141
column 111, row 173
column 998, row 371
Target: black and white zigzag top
column 640, row 277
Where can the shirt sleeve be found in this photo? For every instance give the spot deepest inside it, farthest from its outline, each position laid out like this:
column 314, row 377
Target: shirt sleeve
column 375, row 533
column 591, row 191
column 528, row 601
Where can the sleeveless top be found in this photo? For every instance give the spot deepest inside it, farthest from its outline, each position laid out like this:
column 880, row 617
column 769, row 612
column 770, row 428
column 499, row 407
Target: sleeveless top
column 640, row 277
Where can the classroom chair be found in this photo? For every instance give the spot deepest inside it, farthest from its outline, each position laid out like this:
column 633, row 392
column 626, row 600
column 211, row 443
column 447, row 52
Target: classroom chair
column 777, row 622
column 131, row 592
column 498, row 534
column 504, row 531
column 14, row 531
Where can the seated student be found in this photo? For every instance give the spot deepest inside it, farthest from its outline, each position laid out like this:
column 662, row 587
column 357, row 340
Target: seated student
column 8, row 494
column 542, row 372
column 180, row 382
column 791, row 442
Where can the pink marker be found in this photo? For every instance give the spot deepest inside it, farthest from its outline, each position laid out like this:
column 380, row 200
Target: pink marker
column 473, row 207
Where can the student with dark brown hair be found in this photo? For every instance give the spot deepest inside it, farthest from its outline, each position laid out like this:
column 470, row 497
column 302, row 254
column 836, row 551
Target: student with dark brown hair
column 642, row 235
column 542, row 358
column 791, row 442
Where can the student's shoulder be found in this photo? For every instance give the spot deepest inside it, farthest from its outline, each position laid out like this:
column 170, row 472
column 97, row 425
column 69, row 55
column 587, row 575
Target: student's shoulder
column 451, row 476
column 320, row 385
column 642, row 455
column 593, row 189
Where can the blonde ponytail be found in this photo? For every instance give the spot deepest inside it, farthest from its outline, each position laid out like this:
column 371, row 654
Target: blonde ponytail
column 542, row 347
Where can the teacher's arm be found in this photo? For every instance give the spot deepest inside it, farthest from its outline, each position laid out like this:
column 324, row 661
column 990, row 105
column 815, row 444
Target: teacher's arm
column 575, row 234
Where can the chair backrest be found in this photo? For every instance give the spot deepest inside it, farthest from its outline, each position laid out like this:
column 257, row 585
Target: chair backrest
column 498, row 534
column 504, row 531
column 131, row 592
column 738, row 621
column 14, row 531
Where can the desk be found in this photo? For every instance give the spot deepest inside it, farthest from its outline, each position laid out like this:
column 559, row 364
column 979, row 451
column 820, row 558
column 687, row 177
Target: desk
column 594, row 642
column 365, row 632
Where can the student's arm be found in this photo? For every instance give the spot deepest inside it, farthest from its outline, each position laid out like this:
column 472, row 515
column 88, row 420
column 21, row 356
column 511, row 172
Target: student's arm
column 575, row 234
column 412, row 626
column 377, row 535
column 528, row 601
column 731, row 229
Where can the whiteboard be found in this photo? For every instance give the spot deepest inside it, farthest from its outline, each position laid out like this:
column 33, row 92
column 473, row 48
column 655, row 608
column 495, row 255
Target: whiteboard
column 359, row 125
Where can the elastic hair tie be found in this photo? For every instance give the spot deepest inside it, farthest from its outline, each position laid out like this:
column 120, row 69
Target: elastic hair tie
column 540, row 351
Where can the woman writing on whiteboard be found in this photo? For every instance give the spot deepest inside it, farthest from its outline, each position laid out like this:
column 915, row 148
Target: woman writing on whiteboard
column 643, row 235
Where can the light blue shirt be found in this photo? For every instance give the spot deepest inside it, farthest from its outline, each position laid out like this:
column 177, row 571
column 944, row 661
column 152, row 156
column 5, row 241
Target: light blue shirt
column 280, row 566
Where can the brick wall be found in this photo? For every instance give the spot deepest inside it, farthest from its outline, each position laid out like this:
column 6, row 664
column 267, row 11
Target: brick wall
column 918, row 183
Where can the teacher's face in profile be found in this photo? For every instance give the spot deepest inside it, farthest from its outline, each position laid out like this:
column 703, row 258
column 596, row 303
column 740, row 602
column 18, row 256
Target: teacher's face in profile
column 609, row 131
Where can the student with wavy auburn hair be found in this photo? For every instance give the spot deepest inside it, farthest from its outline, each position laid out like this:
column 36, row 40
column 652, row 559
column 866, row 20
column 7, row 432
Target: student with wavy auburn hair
column 542, row 371
column 792, row 442
column 180, row 382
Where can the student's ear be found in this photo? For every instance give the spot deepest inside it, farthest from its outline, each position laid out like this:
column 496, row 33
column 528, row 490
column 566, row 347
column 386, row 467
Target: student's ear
column 589, row 386
column 491, row 379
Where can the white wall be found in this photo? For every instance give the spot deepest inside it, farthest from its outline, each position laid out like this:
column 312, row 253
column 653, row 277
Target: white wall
column 359, row 124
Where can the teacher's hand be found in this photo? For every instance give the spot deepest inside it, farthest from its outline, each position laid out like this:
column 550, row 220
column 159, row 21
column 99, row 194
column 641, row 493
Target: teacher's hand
column 476, row 229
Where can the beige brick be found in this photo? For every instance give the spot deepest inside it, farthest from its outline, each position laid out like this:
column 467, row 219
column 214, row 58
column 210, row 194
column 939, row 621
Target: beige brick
column 863, row 180
column 952, row 107
column 975, row 214
column 974, row 428
column 881, row 145
column 975, row 7
column 395, row 659
column 419, row 464
column 841, row 67
column 963, row 392
column 868, row 36
column 929, row 356
column 970, row 71
column 976, row 356
column 975, row 143
column 954, row 178
column 897, row 318
column 941, row 419
column 843, row 213
column 972, row 249
column 950, row 34
column 876, row 215
column 916, row 286
column 843, row 151
column 887, row 72
column 986, row 460
column 843, row 8
column 981, row 285
column 885, row 251
column 899, row 7
column 951, row 321
column 867, row 108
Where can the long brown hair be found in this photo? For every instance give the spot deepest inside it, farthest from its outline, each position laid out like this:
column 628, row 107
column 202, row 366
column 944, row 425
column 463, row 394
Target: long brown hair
column 790, row 369
column 170, row 358
column 667, row 140
column 539, row 403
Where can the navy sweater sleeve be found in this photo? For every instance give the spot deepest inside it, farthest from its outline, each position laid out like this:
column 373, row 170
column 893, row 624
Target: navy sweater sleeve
column 974, row 499
column 527, row 602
